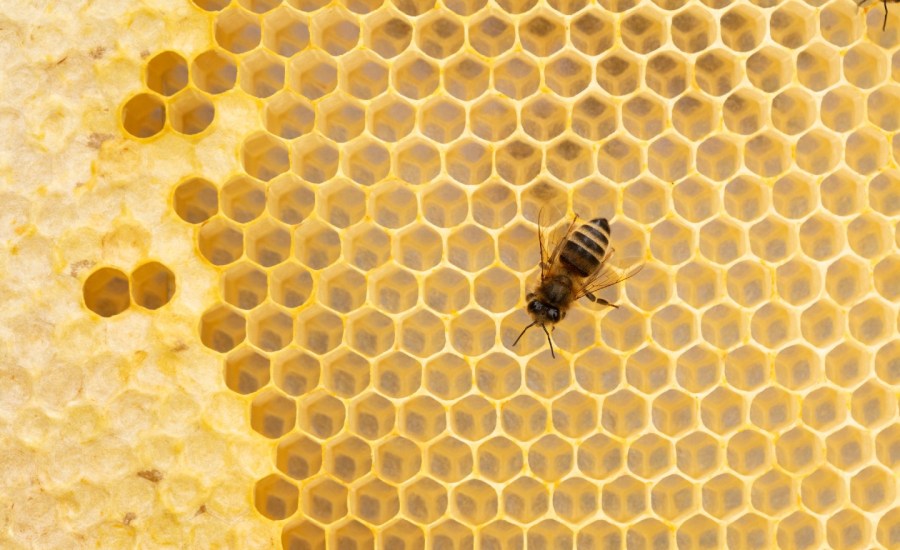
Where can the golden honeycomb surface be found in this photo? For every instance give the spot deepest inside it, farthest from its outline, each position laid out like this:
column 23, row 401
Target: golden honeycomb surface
column 265, row 260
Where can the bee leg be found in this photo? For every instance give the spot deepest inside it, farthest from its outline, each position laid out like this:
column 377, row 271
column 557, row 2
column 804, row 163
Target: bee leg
column 600, row 301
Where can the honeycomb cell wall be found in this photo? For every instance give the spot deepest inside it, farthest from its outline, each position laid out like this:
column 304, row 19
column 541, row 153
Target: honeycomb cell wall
column 285, row 245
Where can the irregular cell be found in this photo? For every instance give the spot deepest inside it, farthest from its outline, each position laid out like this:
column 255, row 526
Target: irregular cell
column 144, row 115
column 196, row 200
column 106, row 292
column 166, row 73
column 152, row 285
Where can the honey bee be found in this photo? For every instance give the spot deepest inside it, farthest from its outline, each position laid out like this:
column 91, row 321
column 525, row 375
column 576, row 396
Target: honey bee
column 577, row 267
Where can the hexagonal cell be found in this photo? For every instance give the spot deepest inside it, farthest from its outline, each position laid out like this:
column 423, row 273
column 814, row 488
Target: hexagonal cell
column 839, row 24
column 340, row 117
column 261, row 74
column 669, row 158
column 289, row 115
column 342, row 288
column 619, row 73
column 449, row 459
column 299, row 457
column 491, row 33
column 316, row 244
column 643, row 116
column 275, row 497
column 498, row 375
column 236, row 30
column 550, row 534
column 799, row 450
column 472, row 332
column 166, row 73
column 543, row 118
column 348, row 459
column 666, row 74
column 269, row 328
column 773, row 492
column 494, row 119
column 625, row 498
column 523, row 417
column 295, row 372
column 697, row 454
column 312, row 73
column 600, row 457
column 671, row 241
column 448, row 376
column 424, row 500
column 268, row 243
column 318, row 329
column 152, row 285
column 499, row 459
column 723, row 410
column 848, row 529
column 872, row 405
column 567, row 74
column 422, row 333
column 325, row 500
column 346, row 373
column 364, row 75
column 698, row 369
column 375, row 501
column 466, row 77
column 818, row 67
column 272, row 414
column 243, row 199
column 849, row 448
column 418, row 247
column 106, row 292
column 222, row 328
column 792, row 25
column 591, row 32
column 354, row 534
column 693, row 29
column 214, row 71
column 575, row 499
column 743, row 112
column 440, row 34
column 673, row 497
column 620, row 159
column 624, row 413
column 649, row 369
column 767, row 154
column 422, row 418
column 417, row 161
column 366, row 161
column 473, row 418
column 335, row 30
column 716, row 72
column 643, row 31
column 593, row 117
column 321, row 414
column 263, row 157
column 516, row 76
column 144, row 115
column 386, row 34
column 414, row 77
column 289, row 199
column 865, row 65
column 550, row 458
column 823, row 491
column 195, row 200
column 743, row 28
column 847, row 364
column 220, row 242
column 824, row 408
column 724, row 496
column 372, row 416
column 542, row 34
column 650, row 455
column 525, row 499
column 285, row 32
column 370, row 332
column 749, row 452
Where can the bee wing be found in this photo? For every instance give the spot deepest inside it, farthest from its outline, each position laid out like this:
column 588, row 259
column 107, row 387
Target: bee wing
column 557, row 247
column 608, row 275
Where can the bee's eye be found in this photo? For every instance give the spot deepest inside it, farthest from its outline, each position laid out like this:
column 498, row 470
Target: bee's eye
column 534, row 306
column 553, row 314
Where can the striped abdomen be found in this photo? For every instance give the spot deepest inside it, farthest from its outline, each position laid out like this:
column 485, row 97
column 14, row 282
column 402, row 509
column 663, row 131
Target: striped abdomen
column 585, row 249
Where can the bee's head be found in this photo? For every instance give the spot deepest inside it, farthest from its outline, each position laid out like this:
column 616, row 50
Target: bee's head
column 544, row 314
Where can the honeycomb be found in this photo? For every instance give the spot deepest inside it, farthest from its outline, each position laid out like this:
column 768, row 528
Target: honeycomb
column 266, row 294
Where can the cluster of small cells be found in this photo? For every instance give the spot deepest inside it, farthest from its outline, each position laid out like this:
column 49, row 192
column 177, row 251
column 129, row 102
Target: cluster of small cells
column 108, row 291
column 376, row 246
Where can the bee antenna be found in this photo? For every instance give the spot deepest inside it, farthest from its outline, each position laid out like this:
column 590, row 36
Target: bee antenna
column 523, row 332
column 550, row 340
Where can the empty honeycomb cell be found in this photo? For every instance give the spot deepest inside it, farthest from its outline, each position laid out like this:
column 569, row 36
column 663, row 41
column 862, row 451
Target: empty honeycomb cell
column 348, row 459
column 842, row 108
column 872, row 405
column 449, row 459
column 848, row 529
column 268, row 243
column 619, row 73
column 869, row 236
column 442, row 119
column 424, row 500
column 243, row 199
column 673, row 327
column 569, row 159
column 475, row 502
column 550, row 458
column 799, row 450
column 289, row 115
column 673, row 497
column 285, row 32
column 722, row 410
column 214, row 71
column 472, row 332
column 698, row 284
column 693, row 29
column 697, row 454
column 152, row 285
column 312, row 73
column 414, row 77
column 316, row 245
column 272, row 415
column 772, row 239
column 743, row 112
column 792, row 25
column 525, row 499
column 567, row 74
column 878, row 108
column 466, row 77
column 166, row 73
column 246, row 370
column 291, row 285
column 196, row 200
column 773, row 408
column 491, row 33
column 335, row 30
column 190, row 112
column 847, row 280
column 440, row 34
column 263, row 157
column 375, row 501
column 817, row 152
column 550, row 533
column 716, row 72
column 743, row 28
column 499, row 459
column 295, row 372
column 244, row 285
column 885, row 283
column 698, row 369
column 321, row 415
column 798, row 281
column 624, row 498
column 366, row 161
column 847, row 364
column 318, row 329
column 289, row 199
column 669, row 158
column 299, row 457
column 397, row 374
column 473, row 418
column 591, row 32
column 883, row 193
column 364, row 75
column 370, row 332
column 498, row 375
column 824, row 408
column 547, row 381
column 818, row 67
column 865, row 65
column 354, row 534
column 822, row 323
column 650, row 456
column 106, row 292
column 448, row 376
column 820, row 237
column 401, row 534
column 620, row 159
column 393, row 289
column 340, row 118
column 575, row 499
column 416, row 161
column 516, row 76
column 767, row 154
column 839, row 24
column 747, row 283
column 493, row 118
column 643, row 116
column 144, row 115
column 372, row 416
column 773, row 492
column 519, row 161
column 367, row 246
column 386, row 34
column 773, row 325
column 237, row 30
column 523, row 417
column 325, row 500
column 848, row 448
column 543, row 118
column 346, row 373
column 666, row 74
column 793, row 111
column 542, row 34
column 750, row 531
column 643, row 31
column 721, row 241
column 422, row 418
column 724, row 496
column 220, row 241
column 593, row 117
column 694, row 198
column 823, row 491
column 842, row 193
column 800, row 530
column 269, row 328
column 275, row 497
